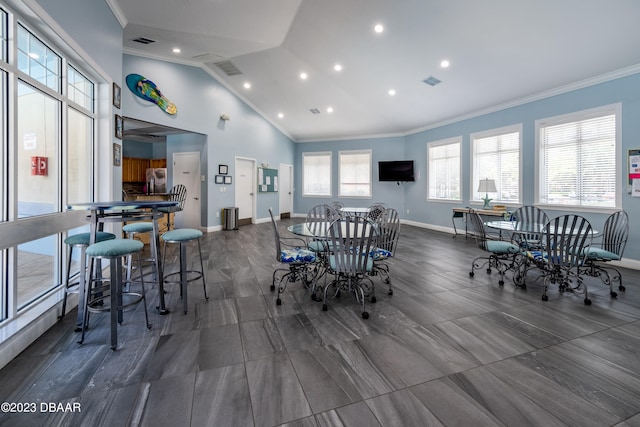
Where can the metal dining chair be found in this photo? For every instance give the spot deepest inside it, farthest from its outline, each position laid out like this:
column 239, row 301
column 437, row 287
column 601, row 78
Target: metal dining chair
column 501, row 255
column 563, row 256
column 178, row 194
column 351, row 262
column 387, row 242
column 610, row 248
column 529, row 219
column 299, row 261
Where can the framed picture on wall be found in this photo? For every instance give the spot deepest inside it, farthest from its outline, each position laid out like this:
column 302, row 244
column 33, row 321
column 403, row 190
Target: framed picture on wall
column 219, row 179
column 223, row 169
column 117, row 95
column 227, row 180
column 117, row 154
column 118, row 126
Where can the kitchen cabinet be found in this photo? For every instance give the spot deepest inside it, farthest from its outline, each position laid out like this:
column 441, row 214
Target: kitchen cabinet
column 135, row 170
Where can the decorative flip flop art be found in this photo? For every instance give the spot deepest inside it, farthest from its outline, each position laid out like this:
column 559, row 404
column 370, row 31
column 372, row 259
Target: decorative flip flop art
column 147, row 90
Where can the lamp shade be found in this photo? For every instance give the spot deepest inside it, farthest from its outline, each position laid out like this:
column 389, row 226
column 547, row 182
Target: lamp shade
column 487, row 186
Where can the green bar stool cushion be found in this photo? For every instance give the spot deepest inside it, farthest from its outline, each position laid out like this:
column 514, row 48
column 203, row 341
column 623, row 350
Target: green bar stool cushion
column 138, row 227
column 181, row 235
column 84, row 238
column 114, row 248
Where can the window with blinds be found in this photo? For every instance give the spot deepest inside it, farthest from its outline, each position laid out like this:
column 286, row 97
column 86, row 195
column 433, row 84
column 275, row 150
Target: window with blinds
column 444, row 169
column 316, row 174
column 496, row 155
column 578, row 159
column 355, row 173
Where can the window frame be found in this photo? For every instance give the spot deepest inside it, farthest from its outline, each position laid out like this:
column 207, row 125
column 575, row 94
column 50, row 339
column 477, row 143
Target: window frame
column 475, row 179
column 310, row 154
column 579, row 116
column 342, row 153
column 431, row 168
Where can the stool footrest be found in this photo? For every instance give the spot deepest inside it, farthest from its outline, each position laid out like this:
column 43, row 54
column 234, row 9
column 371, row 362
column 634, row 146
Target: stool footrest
column 195, row 276
column 105, row 307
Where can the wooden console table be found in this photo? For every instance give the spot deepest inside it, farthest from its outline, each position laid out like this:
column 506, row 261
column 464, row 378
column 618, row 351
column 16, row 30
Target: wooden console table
column 462, row 212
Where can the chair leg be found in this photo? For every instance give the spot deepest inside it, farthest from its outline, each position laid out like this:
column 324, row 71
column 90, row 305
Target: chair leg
column 66, row 286
column 183, row 276
column 204, row 284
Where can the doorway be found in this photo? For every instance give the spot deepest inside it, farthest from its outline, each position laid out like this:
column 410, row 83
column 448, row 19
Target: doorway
column 245, row 190
column 186, row 171
column 286, row 190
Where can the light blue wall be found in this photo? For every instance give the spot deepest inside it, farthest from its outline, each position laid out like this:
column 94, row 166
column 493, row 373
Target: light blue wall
column 93, row 26
column 200, row 100
column 411, row 198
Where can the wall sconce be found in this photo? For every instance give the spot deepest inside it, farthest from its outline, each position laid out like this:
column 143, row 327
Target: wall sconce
column 225, row 117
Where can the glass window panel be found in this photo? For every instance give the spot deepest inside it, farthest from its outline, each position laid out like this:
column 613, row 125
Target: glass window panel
column 497, row 157
column 3, row 35
column 355, row 174
column 578, row 166
column 316, row 174
column 37, row 271
column 80, row 89
column 444, row 170
column 37, row 147
column 44, row 64
column 80, row 133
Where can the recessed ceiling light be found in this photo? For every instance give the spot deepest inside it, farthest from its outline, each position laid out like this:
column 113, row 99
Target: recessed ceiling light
column 337, row 67
column 247, row 85
column 280, row 115
column 378, row 28
column 444, row 63
column 303, row 76
column 176, row 50
column 329, row 109
column 392, row 92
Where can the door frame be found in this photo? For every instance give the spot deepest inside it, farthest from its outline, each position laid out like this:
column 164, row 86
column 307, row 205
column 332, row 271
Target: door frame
column 289, row 168
column 254, row 184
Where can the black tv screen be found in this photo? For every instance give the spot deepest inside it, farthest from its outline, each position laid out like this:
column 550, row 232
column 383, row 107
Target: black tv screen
column 397, row 170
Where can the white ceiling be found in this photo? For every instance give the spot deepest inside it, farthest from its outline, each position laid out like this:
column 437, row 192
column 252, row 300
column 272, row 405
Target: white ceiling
column 501, row 52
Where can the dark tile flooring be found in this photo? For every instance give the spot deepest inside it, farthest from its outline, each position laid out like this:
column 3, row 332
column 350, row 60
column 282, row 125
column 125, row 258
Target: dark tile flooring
column 444, row 349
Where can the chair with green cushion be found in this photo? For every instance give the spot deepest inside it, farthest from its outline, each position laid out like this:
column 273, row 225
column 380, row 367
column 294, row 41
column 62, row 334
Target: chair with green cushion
column 610, row 248
column 81, row 241
column 99, row 292
column 501, row 255
column 183, row 236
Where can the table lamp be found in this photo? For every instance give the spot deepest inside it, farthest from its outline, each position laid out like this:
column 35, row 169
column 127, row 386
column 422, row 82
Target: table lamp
column 487, row 186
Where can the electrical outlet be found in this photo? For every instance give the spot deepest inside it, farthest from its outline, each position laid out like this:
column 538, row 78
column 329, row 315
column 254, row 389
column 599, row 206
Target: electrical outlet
column 217, row 214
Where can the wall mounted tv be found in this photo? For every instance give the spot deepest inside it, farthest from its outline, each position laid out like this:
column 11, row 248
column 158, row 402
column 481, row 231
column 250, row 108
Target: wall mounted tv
column 396, row 170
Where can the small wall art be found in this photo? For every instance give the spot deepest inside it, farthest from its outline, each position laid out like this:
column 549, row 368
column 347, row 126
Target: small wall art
column 223, row 169
column 117, row 154
column 118, row 126
column 219, row 179
column 227, row 180
column 117, row 95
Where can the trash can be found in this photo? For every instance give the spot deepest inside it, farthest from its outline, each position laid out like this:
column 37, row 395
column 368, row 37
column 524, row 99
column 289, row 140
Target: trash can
column 230, row 218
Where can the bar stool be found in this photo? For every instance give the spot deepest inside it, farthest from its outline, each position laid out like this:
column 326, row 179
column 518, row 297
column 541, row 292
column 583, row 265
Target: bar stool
column 114, row 251
column 140, row 227
column 183, row 236
column 80, row 240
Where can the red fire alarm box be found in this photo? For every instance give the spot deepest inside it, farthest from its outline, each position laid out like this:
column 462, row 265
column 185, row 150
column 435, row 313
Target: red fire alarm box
column 39, row 165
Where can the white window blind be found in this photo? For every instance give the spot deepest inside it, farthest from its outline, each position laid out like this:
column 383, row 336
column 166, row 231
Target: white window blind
column 316, row 174
column 497, row 157
column 355, row 173
column 578, row 164
column 444, row 169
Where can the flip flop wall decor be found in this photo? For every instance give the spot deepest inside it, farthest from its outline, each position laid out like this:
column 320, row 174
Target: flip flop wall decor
column 147, row 90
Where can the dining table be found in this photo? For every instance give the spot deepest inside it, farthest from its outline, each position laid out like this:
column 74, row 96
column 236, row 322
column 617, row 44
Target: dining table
column 123, row 211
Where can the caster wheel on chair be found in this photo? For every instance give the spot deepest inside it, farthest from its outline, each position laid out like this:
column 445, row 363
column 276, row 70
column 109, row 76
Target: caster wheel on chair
column 614, row 294
column 545, row 298
column 278, row 301
column 587, row 301
column 621, row 288
column 272, row 287
column 488, row 271
column 501, row 283
column 373, row 300
column 390, row 292
column 365, row 315
column 324, row 307
column 471, row 274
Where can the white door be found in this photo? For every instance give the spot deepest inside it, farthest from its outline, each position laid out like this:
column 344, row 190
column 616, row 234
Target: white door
column 186, row 171
column 286, row 190
column 245, row 190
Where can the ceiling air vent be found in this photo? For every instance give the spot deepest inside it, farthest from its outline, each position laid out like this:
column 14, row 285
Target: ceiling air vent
column 431, row 81
column 228, row 68
column 143, row 40
column 314, row 111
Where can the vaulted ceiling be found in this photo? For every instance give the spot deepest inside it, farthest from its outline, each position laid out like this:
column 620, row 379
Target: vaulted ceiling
column 500, row 52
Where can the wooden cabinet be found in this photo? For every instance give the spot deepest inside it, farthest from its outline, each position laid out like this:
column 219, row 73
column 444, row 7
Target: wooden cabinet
column 135, row 170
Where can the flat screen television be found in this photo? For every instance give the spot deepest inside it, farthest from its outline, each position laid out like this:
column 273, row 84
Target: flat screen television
column 396, row 170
